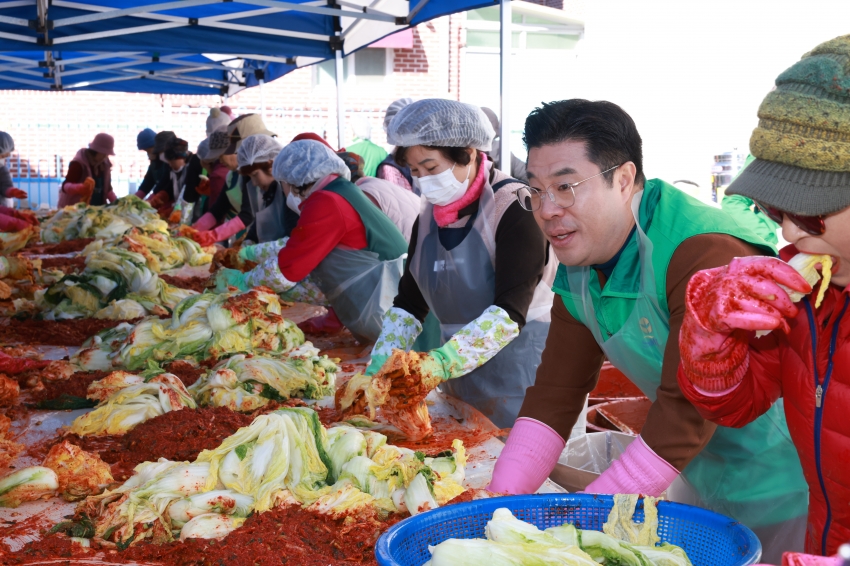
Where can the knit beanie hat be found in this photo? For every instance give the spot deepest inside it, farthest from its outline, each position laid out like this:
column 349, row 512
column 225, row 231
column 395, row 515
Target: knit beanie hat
column 802, row 142
column 354, row 163
column 161, row 140
column 311, row 136
column 216, row 119
column 146, row 139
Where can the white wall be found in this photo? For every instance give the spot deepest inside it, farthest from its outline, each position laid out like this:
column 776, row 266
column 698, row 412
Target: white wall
column 693, row 73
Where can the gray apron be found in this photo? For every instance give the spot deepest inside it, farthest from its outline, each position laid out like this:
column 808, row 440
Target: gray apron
column 269, row 220
column 459, row 285
column 360, row 288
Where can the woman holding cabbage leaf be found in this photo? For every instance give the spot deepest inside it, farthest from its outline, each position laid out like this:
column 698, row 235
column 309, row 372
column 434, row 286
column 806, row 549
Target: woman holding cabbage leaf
column 349, row 248
column 476, row 261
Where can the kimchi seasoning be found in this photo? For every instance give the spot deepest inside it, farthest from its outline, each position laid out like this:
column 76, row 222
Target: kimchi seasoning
column 56, row 332
column 198, row 284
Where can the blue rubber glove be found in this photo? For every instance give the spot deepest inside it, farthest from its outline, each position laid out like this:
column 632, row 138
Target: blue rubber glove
column 230, row 278
column 377, row 363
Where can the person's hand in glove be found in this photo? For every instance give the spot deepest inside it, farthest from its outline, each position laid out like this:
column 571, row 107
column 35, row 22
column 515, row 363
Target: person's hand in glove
column 159, row 199
column 9, row 223
column 26, row 215
column 203, row 187
column 174, row 217
column 205, row 238
column 82, row 190
column 111, row 197
column 324, row 324
column 227, row 278
column 16, row 193
column 724, row 305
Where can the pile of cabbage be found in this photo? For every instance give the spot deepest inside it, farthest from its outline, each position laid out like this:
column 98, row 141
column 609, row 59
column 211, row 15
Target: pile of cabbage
column 103, row 222
column 11, row 242
column 283, row 458
column 510, row 542
column 161, row 251
column 116, row 284
column 246, row 383
column 126, row 400
column 201, row 327
column 241, row 383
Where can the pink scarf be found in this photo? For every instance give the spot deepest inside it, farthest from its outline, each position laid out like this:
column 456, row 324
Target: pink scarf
column 447, row 214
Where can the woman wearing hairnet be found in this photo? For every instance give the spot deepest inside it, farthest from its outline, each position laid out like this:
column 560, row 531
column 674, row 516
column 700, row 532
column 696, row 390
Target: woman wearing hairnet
column 11, row 220
column 352, row 251
column 475, row 260
column 89, row 177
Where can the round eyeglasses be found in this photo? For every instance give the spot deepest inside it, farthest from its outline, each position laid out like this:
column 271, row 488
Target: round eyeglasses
column 562, row 195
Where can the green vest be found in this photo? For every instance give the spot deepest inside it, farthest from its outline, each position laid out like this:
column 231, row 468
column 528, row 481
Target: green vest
column 372, row 155
column 752, row 474
column 382, row 236
column 669, row 217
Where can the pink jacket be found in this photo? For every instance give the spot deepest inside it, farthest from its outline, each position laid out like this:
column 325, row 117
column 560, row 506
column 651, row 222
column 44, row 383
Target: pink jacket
column 81, row 158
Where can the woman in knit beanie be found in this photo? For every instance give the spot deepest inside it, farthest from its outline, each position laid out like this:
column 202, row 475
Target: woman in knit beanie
column 756, row 330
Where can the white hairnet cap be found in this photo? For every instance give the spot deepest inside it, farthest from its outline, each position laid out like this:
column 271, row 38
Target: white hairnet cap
column 7, row 144
column 442, row 123
column 306, row 161
column 393, row 109
column 203, row 150
column 258, row 148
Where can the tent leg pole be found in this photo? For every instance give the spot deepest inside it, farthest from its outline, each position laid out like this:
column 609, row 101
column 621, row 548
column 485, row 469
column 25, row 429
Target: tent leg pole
column 506, row 44
column 340, row 112
column 262, row 101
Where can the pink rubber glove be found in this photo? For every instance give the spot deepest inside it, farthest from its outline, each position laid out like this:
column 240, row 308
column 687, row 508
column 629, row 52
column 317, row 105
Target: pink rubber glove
column 638, row 470
column 141, row 194
column 229, row 228
column 79, row 189
column 12, row 224
column 529, row 456
column 723, row 306
column 205, row 222
column 110, row 197
column 797, row 559
column 325, row 324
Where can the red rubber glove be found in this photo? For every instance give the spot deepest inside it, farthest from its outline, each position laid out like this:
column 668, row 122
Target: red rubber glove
column 203, row 187
column 205, row 238
column 724, row 305
column 25, row 215
column 16, row 193
column 86, row 188
column 9, row 223
column 324, row 324
column 158, row 199
column 110, row 197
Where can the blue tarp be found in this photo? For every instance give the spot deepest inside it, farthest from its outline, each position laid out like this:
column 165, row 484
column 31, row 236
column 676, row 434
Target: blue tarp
column 120, row 72
column 282, row 29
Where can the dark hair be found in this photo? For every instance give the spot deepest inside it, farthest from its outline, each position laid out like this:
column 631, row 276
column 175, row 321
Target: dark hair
column 608, row 132
column 456, row 154
column 248, row 169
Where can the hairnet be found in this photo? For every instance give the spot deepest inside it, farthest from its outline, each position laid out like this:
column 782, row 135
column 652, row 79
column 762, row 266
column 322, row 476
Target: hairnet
column 7, row 144
column 442, row 123
column 258, row 148
column 393, row 109
column 203, row 150
column 307, row 161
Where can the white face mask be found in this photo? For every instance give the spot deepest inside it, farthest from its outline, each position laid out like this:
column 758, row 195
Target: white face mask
column 442, row 188
column 293, row 202
column 3, row 162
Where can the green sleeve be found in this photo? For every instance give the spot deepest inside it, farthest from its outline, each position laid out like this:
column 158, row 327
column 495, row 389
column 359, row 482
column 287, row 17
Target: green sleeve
column 746, row 214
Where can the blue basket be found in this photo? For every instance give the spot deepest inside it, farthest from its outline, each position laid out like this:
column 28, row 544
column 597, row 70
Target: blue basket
column 710, row 539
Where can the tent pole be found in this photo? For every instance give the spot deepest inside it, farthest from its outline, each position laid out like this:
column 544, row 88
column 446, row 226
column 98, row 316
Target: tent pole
column 506, row 44
column 262, row 101
column 340, row 113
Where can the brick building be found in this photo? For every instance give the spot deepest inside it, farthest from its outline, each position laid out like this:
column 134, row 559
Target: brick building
column 452, row 57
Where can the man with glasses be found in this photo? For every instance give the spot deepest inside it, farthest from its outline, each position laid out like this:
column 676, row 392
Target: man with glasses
column 801, row 180
column 628, row 247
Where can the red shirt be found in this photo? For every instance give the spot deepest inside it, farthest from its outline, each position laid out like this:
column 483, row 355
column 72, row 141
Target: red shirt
column 327, row 221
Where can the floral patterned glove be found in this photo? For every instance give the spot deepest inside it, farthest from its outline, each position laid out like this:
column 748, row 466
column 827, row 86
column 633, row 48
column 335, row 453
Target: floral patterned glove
column 399, row 330
column 268, row 274
column 306, row 291
column 261, row 252
column 472, row 346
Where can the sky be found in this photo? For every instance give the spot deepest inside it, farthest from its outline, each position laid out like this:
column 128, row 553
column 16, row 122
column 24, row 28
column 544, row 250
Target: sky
column 693, row 73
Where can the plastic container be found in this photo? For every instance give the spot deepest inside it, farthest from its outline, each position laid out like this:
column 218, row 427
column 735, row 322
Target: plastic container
column 710, row 539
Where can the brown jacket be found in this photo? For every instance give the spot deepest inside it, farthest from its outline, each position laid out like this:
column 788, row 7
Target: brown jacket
column 571, row 361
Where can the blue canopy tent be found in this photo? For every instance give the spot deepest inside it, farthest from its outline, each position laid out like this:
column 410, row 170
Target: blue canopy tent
column 173, row 73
